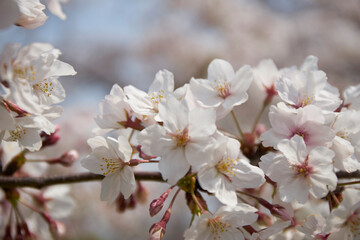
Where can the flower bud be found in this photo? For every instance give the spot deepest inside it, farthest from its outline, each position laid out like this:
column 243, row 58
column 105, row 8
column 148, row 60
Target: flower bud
column 52, row 139
column 68, row 158
column 157, row 204
column 157, row 231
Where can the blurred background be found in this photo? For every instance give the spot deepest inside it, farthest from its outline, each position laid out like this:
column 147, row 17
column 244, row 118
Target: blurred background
column 127, row 42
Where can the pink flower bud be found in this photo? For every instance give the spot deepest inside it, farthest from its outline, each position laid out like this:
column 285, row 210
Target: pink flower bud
column 157, row 204
column 260, row 129
column 157, row 231
column 68, row 158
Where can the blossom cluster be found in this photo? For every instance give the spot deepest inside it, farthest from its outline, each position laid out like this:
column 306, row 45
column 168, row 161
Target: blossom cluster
column 28, row 14
column 314, row 135
column 30, row 93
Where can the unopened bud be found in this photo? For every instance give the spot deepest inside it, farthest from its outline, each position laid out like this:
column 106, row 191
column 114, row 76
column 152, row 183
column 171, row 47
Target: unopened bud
column 52, row 139
column 68, row 158
column 157, row 231
column 157, row 204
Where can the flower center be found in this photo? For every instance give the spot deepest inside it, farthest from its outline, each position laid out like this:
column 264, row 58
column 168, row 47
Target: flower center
column 27, row 73
column 157, row 96
column 217, row 227
column 181, row 137
column 44, row 87
column 222, row 88
column 226, row 166
column 303, row 170
column 111, row 165
column 17, row 133
column 301, row 133
column 305, row 100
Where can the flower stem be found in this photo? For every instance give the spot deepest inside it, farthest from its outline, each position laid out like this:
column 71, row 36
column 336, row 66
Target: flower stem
column 348, row 183
column 237, row 124
column 259, row 115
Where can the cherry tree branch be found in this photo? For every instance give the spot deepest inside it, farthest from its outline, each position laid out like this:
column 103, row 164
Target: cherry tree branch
column 40, row 182
column 343, row 174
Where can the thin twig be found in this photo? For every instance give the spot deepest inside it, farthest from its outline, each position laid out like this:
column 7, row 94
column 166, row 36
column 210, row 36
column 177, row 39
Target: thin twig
column 40, row 182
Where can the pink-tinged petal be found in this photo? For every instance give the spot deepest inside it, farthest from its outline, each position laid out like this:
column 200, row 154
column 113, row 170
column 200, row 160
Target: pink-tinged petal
column 240, row 215
column 110, row 187
column 220, row 69
column 242, row 80
column 294, row 149
column 155, row 141
column 31, row 140
column 286, row 91
column 96, row 142
column 59, row 68
column 115, row 148
column 296, row 188
column 124, row 148
column 310, row 64
column 174, row 165
column 205, row 93
column 321, row 184
column 344, row 159
column 310, row 113
column 164, row 80
column 139, row 101
column 174, row 114
column 225, row 194
column 321, row 156
column 235, row 99
column 128, row 183
column 315, row 82
column 198, row 151
column 267, row 160
column 266, row 74
column 209, row 178
column 202, row 122
column 282, row 121
column 271, row 138
column 92, row 163
column 247, row 175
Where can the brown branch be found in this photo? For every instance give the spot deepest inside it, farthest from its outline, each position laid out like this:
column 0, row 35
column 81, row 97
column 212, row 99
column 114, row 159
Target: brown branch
column 40, row 182
column 343, row 174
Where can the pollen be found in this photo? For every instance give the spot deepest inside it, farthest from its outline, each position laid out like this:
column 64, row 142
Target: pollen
column 44, row 87
column 305, row 100
column 27, row 73
column 110, row 165
column 226, row 166
column 222, row 88
column 217, row 227
column 17, row 134
column 181, row 137
column 156, row 97
column 303, row 170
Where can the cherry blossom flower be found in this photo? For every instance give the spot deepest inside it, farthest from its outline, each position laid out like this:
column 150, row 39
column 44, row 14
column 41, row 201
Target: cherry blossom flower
column 224, row 88
column 265, row 76
column 114, row 110
column 307, row 86
column 31, row 14
column 226, row 223
column 228, row 171
column 352, row 97
column 344, row 221
column 299, row 171
column 314, row 227
column 146, row 104
column 110, row 158
column 344, row 144
column 307, row 122
column 182, row 140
